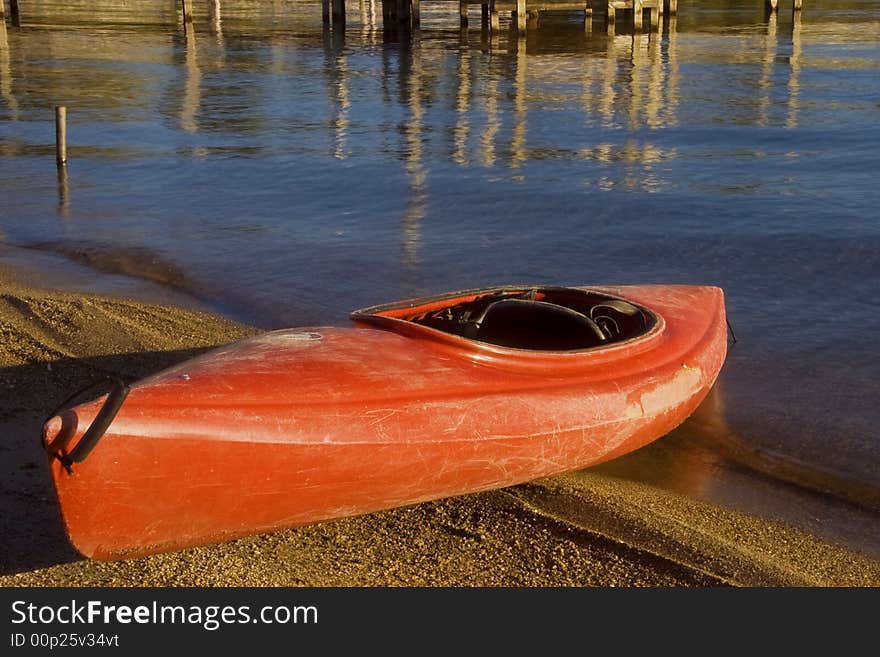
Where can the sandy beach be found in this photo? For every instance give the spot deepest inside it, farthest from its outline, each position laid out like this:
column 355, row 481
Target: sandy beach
column 590, row 528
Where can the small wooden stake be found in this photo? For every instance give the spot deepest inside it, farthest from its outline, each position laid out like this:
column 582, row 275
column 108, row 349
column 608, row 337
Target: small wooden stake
column 61, row 136
column 187, row 8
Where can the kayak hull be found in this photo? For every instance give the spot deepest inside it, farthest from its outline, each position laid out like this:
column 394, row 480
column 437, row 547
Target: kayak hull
column 305, row 425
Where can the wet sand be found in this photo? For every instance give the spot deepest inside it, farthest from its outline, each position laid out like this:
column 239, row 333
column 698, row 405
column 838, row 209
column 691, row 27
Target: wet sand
column 591, row 528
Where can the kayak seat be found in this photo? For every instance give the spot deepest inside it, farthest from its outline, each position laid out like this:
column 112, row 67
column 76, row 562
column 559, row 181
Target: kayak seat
column 529, row 324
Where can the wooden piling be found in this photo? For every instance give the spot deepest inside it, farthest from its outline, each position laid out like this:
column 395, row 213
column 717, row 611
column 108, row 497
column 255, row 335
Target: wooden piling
column 771, row 5
column 797, row 5
column 670, row 7
column 61, row 135
column 462, row 13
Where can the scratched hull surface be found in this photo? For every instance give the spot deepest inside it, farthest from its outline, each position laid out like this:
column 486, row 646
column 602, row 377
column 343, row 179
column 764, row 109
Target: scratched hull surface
column 302, row 425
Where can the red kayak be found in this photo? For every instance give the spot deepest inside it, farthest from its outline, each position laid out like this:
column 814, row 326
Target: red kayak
column 419, row 400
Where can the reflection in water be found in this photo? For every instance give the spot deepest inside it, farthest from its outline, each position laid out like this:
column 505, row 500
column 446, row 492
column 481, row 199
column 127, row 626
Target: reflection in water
column 518, row 152
column 493, row 118
column 707, row 460
column 771, row 61
column 369, row 24
column 216, row 20
column 192, row 91
column 669, row 58
column 6, row 74
column 339, row 96
column 765, row 79
column 794, row 86
column 63, row 193
column 461, row 132
column 416, row 204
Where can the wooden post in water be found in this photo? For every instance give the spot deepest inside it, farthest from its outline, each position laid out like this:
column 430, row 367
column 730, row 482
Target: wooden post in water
column 638, row 12
column 325, row 11
column 771, row 5
column 462, row 13
column 797, row 5
column 61, row 136
column 415, row 13
column 670, row 7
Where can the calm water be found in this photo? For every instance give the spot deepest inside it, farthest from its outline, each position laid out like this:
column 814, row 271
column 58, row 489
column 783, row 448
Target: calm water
column 285, row 177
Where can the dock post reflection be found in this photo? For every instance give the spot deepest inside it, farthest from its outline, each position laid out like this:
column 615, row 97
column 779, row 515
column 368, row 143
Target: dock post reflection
column 186, row 11
column 411, row 75
column 518, row 152
column 461, row 132
column 338, row 7
column 769, row 59
column 14, row 13
column 63, row 193
column 216, row 26
column 192, row 91
column 794, row 86
column 6, row 73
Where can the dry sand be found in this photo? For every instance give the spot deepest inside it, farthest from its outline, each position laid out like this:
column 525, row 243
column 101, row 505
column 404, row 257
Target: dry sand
column 584, row 529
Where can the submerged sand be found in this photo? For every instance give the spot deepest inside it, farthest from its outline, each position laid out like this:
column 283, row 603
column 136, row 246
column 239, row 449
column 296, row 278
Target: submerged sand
column 584, row 529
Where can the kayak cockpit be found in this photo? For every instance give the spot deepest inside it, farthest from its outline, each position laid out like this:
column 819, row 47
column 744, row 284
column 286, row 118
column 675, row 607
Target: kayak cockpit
column 534, row 318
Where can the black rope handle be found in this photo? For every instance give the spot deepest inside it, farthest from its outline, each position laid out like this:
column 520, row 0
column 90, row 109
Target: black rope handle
column 99, row 425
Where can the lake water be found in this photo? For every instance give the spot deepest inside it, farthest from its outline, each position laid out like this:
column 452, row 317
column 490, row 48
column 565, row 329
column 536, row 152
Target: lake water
column 284, row 175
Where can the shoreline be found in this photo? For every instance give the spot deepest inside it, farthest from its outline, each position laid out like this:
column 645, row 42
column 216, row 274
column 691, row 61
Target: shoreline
column 597, row 527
